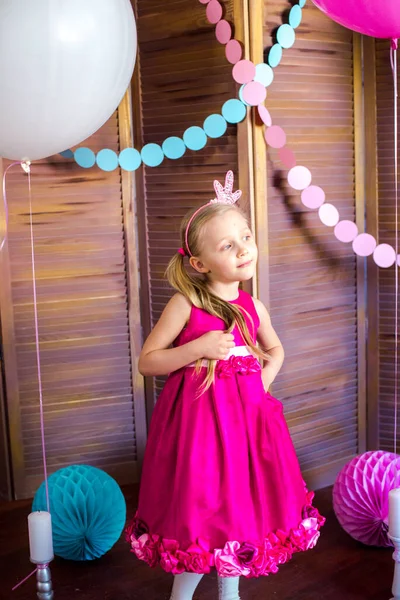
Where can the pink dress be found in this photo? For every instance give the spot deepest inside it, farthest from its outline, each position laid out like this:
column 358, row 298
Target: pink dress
column 221, row 485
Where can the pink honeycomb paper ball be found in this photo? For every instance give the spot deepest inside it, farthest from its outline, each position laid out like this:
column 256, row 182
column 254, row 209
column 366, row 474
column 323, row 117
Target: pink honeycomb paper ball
column 361, row 496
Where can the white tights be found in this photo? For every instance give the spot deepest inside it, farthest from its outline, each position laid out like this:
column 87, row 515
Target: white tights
column 186, row 583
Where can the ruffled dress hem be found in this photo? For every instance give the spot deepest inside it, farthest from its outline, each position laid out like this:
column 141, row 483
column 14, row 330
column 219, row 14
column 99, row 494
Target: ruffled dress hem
column 235, row 559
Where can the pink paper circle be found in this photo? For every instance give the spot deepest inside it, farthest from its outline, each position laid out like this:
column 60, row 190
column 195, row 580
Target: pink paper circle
column 214, row 11
column 287, row 157
column 329, row 215
column 254, row 93
column 233, row 51
column 313, row 196
column 346, row 231
column 264, row 115
column 204, row 1
column 384, row 256
column 223, row 31
column 275, row 136
column 299, row 177
column 364, row 244
column 244, row 71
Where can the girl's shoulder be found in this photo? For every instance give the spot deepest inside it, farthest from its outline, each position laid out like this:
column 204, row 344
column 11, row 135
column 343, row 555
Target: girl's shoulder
column 179, row 304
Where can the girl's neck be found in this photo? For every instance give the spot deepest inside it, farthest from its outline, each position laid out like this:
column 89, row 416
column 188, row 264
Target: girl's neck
column 225, row 291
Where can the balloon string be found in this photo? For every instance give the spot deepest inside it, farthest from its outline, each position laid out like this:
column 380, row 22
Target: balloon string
column 25, row 579
column 393, row 62
column 26, row 167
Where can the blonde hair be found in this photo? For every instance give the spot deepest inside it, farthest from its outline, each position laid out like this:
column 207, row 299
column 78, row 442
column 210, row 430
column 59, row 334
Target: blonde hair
column 195, row 287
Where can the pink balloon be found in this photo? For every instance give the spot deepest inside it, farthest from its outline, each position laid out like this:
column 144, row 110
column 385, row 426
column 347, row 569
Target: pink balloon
column 364, row 244
column 384, row 256
column 378, row 18
column 254, row 93
column 346, row 231
column 313, row 196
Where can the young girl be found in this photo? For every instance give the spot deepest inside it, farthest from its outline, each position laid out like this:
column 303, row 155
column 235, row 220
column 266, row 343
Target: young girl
column 221, row 486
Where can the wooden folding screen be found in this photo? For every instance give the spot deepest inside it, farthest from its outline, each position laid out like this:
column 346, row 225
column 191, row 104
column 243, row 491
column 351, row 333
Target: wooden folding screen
column 88, row 317
column 307, row 277
column 386, row 225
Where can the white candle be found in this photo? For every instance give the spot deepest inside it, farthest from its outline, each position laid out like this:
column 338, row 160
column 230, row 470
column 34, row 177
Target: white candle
column 40, row 537
column 394, row 513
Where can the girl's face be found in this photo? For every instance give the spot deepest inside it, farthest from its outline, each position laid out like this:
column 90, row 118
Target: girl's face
column 228, row 249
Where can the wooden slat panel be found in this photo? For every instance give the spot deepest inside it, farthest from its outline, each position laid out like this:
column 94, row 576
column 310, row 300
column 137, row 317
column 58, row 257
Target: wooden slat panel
column 184, row 77
column 85, row 338
column 312, row 277
column 386, row 232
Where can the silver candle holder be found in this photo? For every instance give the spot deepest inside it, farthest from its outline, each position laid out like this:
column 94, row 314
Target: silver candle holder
column 396, row 576
column 44, row 585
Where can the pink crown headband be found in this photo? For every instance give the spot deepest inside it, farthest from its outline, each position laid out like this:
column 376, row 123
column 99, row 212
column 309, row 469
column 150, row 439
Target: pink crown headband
column 223, row 195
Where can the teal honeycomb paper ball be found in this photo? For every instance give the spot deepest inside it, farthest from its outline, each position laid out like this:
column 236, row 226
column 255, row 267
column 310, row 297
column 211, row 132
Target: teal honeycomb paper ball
column 88, row 511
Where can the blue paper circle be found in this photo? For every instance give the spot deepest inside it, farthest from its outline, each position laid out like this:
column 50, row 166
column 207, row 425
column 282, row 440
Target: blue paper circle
column 88, row 511
column 152, row 155
column 85, row 157
column 302, row 3
column 130, row 159
column 275, row 55
column 240, row 94
column 173, row 147
column 285, row 36
column 295, row 16
column 264, row 74
column 107, row 160
column 215, row 126
column 195, row 138
column 234, row 111
column 67, row 154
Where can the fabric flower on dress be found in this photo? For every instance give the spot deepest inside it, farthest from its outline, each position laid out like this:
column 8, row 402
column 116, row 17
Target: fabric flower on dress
column 306, row 536
column 235, row 558
column 243, row 365
column 227, row 562
column 145, row 548
column 198, row 558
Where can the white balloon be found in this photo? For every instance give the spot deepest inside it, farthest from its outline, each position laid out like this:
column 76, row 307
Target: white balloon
column 64, row 68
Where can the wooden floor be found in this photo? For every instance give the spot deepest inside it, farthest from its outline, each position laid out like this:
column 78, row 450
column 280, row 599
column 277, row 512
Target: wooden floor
column 338, row 569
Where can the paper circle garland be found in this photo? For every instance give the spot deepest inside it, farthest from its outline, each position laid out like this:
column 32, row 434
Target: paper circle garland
column 254, row 93
column 88, row 511
column 107, row 160
column 174, row 147
column 152, row 155
column 329, row 215
column 255, row 78
column 360, row 496
column 299, row 177
column 130, row 159
column 346, row 231
column 364, row 244
column 384, row 256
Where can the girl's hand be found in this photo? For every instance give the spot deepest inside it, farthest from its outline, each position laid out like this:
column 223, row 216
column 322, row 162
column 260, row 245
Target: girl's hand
column 267, row 378
column 215, row 345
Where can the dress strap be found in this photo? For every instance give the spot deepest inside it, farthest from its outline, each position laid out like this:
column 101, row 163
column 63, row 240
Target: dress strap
column 247, row 302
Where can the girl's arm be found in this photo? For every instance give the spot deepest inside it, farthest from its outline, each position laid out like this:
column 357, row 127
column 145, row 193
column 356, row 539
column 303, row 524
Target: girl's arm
column 269, row 341
column 157, row 358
